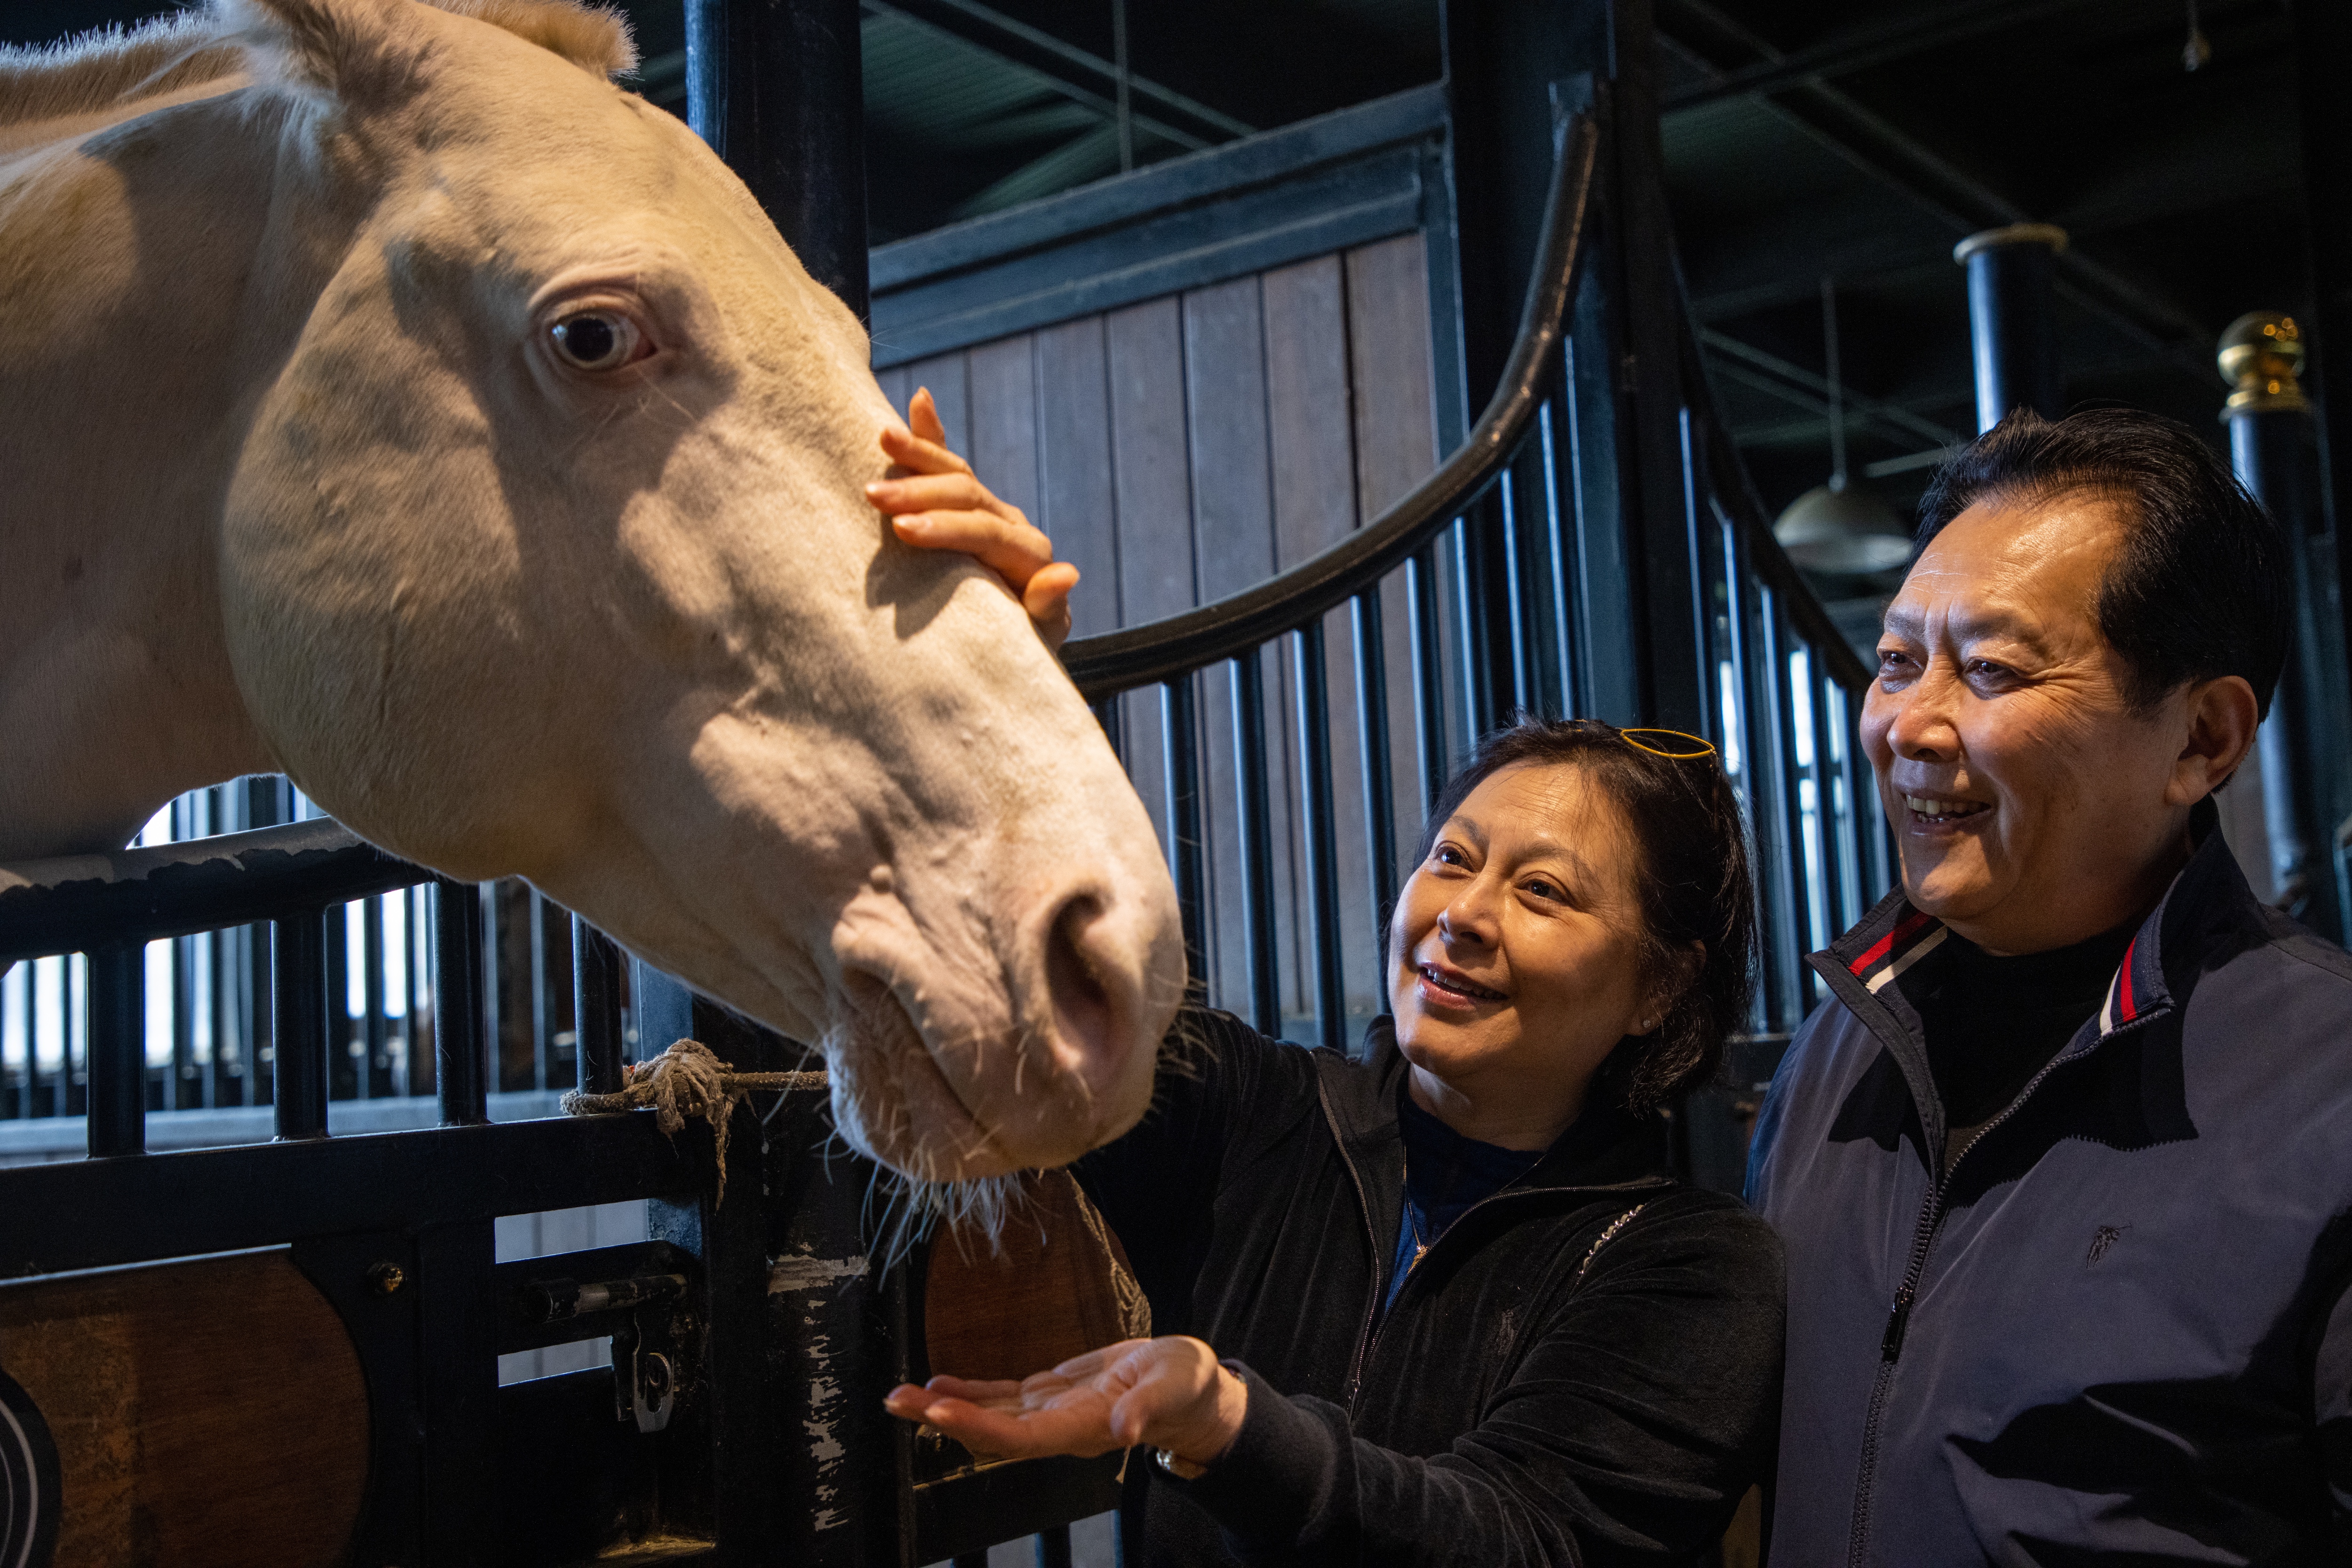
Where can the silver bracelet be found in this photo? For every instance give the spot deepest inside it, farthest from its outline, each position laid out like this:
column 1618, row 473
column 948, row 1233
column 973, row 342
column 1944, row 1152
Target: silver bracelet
column 1181, row 1469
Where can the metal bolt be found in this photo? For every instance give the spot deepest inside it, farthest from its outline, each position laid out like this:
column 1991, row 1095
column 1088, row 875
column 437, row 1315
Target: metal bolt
column 386, row 1279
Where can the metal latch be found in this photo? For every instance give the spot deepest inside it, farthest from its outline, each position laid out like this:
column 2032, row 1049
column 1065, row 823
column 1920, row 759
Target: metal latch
column 645, row 1347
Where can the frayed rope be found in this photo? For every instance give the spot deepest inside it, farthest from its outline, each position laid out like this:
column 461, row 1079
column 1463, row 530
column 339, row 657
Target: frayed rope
column 688, row 1081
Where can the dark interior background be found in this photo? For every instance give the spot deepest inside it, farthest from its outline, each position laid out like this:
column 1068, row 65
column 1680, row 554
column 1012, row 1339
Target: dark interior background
column 1805, row 139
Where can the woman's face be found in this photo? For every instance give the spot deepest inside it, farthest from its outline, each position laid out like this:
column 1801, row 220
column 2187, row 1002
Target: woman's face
column 1517, row 953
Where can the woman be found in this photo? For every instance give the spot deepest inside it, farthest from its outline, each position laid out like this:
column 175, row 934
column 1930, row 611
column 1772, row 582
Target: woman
column 1464, row 1313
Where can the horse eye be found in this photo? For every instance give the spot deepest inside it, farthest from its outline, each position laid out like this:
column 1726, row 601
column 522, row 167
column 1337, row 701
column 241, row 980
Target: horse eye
column 595, row 341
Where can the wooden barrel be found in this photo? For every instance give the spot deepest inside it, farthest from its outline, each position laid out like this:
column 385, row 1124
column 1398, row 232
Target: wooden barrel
column 205, row 1413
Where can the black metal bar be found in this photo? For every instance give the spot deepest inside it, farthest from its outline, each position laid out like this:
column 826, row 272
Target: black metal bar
column 543, row 1023
column 2266, row 450
column 1321, row 837
column 1696, row 566
column 1157, row 650
column 1473, row 667
column 596, row 1008
column 2011, row 325
column 1428, row 674
column 70, row 1215
column 1825, row 802
column 776, row 91
column 343, row 1078
column 1558, row 548
column 1109, row 714
column 1378, row 768
column 1054, row 1547
column 1179, row 752
column 460, row 1049
column 80, row 901
column 1517, row 609
column 1786, row 930
column 1253, row 808
column 117, row 1000
column 375, row 1035
column 299, row 1023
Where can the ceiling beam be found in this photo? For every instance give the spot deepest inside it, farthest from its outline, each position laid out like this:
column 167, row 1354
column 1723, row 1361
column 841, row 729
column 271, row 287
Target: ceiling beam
column 1877, row 148
column 1794, row 384
column 1072, row 71
column 1863, row 48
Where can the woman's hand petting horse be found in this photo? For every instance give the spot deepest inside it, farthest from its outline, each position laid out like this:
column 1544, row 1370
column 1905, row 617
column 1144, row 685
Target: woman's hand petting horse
column 936, row 503
column 1167, row 1394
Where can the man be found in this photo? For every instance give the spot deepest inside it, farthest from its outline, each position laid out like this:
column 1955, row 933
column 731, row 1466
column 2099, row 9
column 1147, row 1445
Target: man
column 2064, row 1164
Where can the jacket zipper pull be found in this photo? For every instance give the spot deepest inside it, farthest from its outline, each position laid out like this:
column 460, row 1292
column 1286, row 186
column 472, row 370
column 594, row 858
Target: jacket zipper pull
column 1897, row 1318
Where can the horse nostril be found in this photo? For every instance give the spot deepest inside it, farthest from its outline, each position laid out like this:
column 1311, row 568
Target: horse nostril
column 1083, row 1017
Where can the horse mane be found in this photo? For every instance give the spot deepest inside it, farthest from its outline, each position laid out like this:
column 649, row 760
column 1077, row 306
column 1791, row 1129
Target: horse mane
column 109, row 67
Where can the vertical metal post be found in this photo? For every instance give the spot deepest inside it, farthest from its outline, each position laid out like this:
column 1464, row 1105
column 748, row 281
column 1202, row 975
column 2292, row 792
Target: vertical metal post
column 1380, row 782
column 2261, row 356
column 1321, row 837
column 299, row 1023
column 597, row 1007
column 117, row 1000
column 1428, row 674
column 1180, row 751
column 460, row 1047
column 1252, row 806
column 375, row 1034
column 777, row 92
column 798, row 1365
column 2010, row 319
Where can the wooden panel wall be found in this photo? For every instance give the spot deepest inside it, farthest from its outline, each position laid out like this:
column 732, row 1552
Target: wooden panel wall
column 1183, row 448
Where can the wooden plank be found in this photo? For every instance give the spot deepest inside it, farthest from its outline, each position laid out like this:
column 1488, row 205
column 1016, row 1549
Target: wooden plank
column 1312, row 440
column 1003, row 420
column 205, row 1412
column 1154, row 504
column 1392, row 378
column 896, row 387
column 948, row 378
column 1073, row 457
column 1311, row 444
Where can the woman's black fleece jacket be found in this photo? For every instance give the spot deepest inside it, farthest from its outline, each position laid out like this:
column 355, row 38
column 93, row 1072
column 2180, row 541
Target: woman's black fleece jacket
column 1527, row 1400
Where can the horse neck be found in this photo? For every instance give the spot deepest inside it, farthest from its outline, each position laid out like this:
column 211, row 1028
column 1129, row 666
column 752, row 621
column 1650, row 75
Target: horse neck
column 159, row 270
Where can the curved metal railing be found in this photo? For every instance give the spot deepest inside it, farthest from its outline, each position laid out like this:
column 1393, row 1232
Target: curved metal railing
column 1159, row 650
column 1781, row 699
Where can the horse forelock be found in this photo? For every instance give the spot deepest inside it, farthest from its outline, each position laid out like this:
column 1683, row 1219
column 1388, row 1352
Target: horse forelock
column 309, row 42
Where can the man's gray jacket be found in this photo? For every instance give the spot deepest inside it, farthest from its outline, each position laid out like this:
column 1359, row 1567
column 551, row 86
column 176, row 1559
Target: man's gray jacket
column 2118, row 1329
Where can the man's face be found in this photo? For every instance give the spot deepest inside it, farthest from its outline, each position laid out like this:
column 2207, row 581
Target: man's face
column 2031, row 806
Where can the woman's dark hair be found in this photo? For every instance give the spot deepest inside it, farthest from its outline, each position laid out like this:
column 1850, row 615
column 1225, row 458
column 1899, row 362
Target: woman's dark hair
column 2201, row 587
column 1693, row 881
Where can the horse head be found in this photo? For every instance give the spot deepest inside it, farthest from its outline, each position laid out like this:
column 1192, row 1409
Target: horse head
column 544, row 553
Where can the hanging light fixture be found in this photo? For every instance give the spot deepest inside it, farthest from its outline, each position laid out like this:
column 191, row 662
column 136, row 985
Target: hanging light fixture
column 1841, row 529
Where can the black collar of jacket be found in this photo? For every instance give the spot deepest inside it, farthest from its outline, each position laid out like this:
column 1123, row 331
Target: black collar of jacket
column 2206, row 915
column 1608, row 1149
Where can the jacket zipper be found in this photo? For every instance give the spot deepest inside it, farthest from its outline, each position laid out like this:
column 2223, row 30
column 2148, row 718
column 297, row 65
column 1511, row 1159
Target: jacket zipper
column 1366, row 1334
column 1898, row 1315
column 1380, row 1275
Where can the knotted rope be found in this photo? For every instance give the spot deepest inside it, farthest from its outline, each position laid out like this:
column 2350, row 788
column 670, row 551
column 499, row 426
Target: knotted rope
column 685, row 1081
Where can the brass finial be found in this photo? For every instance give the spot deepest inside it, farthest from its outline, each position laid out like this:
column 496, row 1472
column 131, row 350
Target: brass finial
column 2261, row 356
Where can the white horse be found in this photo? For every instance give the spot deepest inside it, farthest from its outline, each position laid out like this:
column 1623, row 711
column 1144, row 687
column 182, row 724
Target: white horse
column 389, row 400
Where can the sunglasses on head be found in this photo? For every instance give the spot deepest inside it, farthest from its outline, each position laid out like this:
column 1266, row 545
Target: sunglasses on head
column 1673, row 736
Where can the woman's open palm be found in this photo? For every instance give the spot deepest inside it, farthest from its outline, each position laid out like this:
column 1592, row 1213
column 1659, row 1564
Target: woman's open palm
column 1167, row 1393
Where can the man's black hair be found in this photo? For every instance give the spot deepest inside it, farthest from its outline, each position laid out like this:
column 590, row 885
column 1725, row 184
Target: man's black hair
column 2201, row 587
